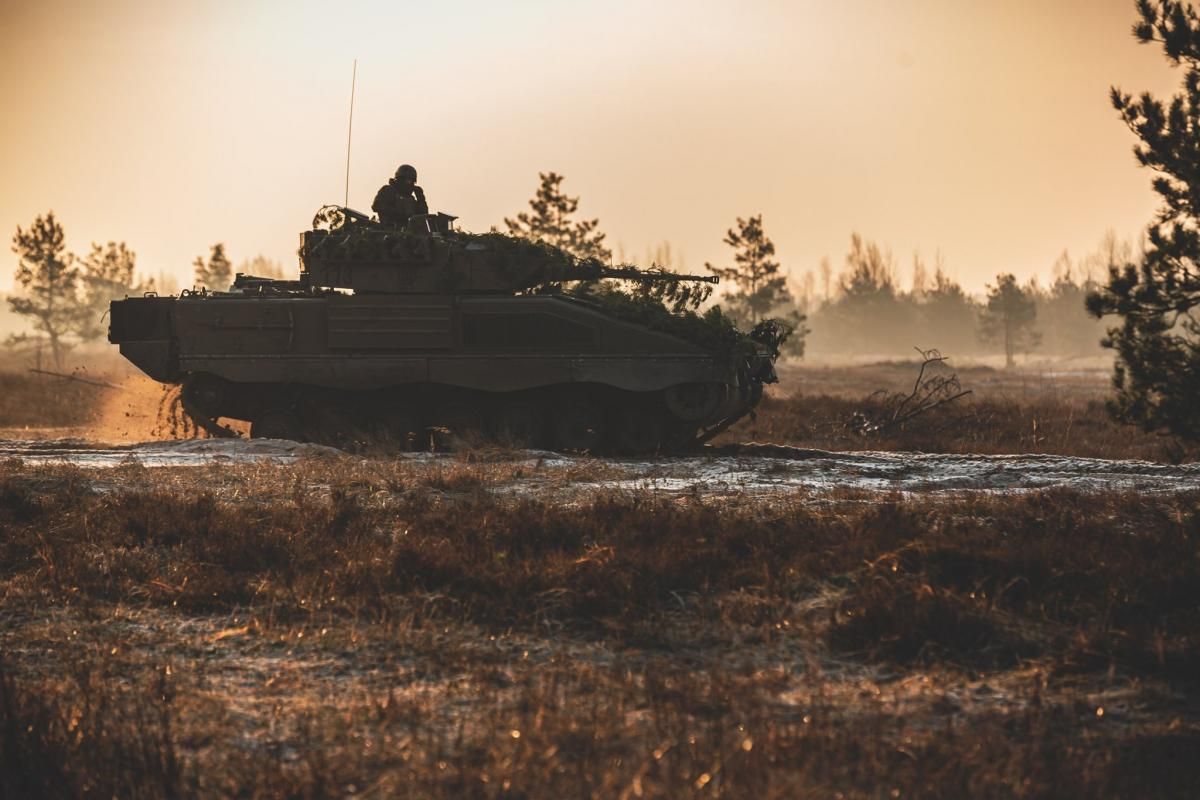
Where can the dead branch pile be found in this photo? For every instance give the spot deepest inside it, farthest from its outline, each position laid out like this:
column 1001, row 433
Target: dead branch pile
column 884, row 411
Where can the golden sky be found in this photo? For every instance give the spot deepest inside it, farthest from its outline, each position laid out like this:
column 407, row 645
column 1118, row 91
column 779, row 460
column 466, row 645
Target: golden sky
column 981, row 129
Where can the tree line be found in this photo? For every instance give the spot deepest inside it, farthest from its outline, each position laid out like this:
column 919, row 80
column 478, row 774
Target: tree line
column 65, row 296
column 866, row 310
column 861, row 310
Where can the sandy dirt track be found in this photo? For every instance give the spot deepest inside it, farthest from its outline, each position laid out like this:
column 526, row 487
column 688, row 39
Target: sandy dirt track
column 742, row 469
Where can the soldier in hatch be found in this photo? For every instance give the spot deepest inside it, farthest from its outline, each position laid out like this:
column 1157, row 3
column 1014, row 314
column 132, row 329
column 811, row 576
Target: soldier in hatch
column 400, row 198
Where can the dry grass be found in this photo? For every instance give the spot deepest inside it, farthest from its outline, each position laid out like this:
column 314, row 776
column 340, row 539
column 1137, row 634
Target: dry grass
column 395, row 631
column 1008, row 412
column 42, row 401
column 971, row 425
column 45, row 401
column 581, row 731
column 1049, row 380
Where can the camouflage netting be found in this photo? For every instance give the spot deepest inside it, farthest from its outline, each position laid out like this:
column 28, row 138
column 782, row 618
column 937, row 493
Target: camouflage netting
column 515, row 255
column 712, row 329
column 656, row 301
column 368, row 245
column 371, row 243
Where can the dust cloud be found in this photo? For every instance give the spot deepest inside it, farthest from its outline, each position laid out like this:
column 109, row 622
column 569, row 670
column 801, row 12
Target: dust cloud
column 143, row 410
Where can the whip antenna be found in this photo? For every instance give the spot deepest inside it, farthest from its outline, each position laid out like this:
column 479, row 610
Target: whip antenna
column 350, row 132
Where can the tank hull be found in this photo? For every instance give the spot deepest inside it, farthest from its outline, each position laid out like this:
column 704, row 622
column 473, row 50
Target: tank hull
column 343, row 369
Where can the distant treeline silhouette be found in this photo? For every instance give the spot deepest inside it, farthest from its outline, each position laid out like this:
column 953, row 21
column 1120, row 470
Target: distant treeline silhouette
column 64, row 297
column 865, row 311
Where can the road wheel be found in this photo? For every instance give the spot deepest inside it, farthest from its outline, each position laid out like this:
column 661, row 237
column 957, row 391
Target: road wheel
column 578, row 425
column 276, row 422
column 205, row 393
column 694, row 402
column 639, row 431
column 521, row 423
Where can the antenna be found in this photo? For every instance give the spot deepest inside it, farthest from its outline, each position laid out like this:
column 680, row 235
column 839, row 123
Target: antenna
column 350, row 132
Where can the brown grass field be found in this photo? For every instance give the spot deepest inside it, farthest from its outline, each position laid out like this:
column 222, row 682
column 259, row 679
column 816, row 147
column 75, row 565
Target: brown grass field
column 350, row 625
column 1058, row 412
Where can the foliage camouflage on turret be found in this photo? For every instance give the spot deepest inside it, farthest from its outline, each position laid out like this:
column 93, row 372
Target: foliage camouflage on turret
column 670, row 306
column 712, row 329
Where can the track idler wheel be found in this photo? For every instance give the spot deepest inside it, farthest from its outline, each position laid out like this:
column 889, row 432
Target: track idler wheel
column 203, row 398
column 205, row 393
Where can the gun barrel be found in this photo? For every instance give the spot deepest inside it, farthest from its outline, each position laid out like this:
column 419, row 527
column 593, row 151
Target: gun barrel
column 655, row 275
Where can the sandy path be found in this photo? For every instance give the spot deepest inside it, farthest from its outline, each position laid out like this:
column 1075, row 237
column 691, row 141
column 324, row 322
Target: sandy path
column 744, row 469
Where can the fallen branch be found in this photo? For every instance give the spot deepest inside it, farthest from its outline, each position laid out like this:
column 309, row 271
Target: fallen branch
column 921, row 410
column 73, row 377
column 928, row 393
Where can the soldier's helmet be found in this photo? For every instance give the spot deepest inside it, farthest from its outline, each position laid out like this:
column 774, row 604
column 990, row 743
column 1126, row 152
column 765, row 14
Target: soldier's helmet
column 406, row 172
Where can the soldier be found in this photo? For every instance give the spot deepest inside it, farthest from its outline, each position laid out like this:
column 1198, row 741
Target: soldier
column 400, row 198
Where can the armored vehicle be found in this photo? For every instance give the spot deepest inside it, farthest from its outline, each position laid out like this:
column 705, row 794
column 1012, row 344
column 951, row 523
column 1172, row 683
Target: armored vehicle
column 424, row 331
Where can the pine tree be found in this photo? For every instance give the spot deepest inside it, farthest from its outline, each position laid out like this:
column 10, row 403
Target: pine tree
column 946, row 316
column 868, row 312
column 107, row 275
column 870, row 272
column 763, row 289
column 1157, row 373
column 48, row 280
column 1008, row 317
column 1067, row 327
column 755, row 271
column 551, row 220
column 217, row 274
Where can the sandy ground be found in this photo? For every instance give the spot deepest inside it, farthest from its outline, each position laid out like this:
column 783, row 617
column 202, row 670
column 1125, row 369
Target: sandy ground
column 739, row 470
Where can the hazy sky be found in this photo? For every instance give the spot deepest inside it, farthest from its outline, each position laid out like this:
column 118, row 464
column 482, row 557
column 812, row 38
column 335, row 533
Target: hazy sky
column 981, row 129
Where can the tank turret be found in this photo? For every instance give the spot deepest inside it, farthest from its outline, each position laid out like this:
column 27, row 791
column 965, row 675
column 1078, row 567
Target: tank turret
column 348, row 250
